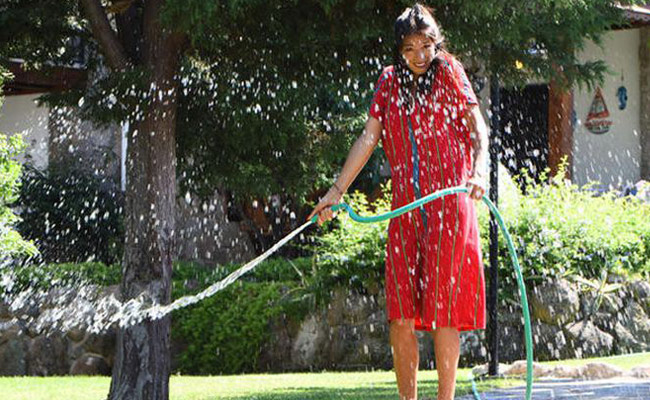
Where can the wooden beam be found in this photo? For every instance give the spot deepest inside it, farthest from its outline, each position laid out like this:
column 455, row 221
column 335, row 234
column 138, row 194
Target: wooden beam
column 42, row 81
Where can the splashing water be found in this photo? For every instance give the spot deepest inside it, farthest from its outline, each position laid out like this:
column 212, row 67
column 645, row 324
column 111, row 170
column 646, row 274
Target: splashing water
column 86, row 307
column 157, row 311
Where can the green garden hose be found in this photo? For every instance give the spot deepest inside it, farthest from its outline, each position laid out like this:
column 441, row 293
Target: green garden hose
column 511, row 248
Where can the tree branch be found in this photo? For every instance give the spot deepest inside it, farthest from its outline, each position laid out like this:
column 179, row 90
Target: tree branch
column 105, row 35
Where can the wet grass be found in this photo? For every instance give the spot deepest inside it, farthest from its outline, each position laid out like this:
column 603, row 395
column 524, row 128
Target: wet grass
column 310, row 386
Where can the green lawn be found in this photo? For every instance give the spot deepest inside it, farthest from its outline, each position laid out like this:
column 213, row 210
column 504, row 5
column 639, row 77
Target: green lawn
column 312, row 386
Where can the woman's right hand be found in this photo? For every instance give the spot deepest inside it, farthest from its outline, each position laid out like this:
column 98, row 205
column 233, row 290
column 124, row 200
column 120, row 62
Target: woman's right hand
column 324, row 207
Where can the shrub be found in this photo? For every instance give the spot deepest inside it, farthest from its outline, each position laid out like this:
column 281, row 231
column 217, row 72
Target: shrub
column 558, row 229
column 350, row 253
column 71, row 215
column 12, row 245
column 563, row 230
column 224, row 333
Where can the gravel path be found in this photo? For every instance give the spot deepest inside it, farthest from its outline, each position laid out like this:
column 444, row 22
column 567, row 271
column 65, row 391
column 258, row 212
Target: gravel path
column 606, row 389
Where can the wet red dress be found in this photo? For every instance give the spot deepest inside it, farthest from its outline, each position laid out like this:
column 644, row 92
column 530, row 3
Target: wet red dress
column 434, row 269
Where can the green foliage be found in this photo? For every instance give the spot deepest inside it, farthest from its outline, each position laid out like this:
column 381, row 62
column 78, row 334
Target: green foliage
column 72, row 215
column 12, row 245
column 40, row 31
column 224, row 333
column 349, row 253
column 273, row 92
column 561, row 229
column 558, row 229
column 43, row 277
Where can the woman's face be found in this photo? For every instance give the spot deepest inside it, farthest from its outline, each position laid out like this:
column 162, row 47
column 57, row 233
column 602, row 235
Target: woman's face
column 418, row 51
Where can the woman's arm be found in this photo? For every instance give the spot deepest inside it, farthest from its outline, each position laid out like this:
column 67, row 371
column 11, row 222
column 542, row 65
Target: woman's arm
column 357, row 158
column 479, row 136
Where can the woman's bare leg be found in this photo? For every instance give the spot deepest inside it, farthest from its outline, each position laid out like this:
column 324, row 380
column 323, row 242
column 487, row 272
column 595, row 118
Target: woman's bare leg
column 405, row 357
column 446, row 342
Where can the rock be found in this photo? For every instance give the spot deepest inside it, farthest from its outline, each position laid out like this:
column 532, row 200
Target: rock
column 641, row 294
column 605, row 322
column 642, row 372
column 308, row 341
column 566, row 372
column 103, row 344
column 587, row 340
column 625, row 341
column 519, row 368
column 555, row 302
column 5, row 313
column 472, row 347
column 76, row 335
column 482, row 370
column 90, row 364
column 47, row 356
column 599, row 370
column 635, row 320
column 13, row 352
column 549, row 342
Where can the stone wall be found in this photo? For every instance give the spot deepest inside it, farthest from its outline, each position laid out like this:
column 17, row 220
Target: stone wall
column 566, row 323
column 352, row 333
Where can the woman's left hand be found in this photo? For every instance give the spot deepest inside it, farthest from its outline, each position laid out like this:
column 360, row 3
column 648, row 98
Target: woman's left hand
column 476, row 187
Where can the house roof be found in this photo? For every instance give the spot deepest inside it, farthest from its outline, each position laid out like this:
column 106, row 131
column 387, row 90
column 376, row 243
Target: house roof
column 637, row 15
column 30, row 81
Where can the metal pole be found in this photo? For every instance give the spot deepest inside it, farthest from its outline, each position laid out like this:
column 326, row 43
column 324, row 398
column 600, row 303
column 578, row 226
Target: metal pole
column 494, row 150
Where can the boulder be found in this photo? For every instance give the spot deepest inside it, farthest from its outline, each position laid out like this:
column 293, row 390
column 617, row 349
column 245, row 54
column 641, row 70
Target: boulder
column 641, row 293
column 555, row 302
column 519, row 368
column 90, row 364
column 586, row 339
column 642, row 372
column 482, row 370
column 309, row 340
column 549, row 342
column 635, row 320
column 599, row 370
column 472, row 347
column 627, row 342
column 5, row 313
column 47, row 356
column 13, row 350
column 566, row 372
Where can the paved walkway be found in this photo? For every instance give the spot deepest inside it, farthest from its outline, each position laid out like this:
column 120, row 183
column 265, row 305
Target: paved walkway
column 607, row 389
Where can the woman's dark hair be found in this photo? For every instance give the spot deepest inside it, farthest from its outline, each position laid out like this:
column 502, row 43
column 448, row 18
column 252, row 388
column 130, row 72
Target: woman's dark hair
column 417, row 19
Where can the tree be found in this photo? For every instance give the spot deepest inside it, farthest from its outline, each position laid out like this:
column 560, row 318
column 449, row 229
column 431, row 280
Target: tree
column 259, row 96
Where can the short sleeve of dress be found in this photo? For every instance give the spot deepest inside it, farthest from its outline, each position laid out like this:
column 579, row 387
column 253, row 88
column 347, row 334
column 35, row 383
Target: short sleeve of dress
column 464, row 85
column 380, row 98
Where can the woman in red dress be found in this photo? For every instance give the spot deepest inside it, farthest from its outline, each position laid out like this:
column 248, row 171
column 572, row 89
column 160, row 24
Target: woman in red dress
column 426, row 115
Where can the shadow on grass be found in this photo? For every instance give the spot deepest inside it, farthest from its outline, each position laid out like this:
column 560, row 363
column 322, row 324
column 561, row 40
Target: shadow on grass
column 379, row 391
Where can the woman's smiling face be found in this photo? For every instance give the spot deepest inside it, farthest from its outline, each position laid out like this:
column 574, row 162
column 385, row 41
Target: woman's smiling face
column 418, row 51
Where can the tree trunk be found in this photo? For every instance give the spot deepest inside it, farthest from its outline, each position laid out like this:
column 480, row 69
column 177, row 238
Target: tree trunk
column 142, row 362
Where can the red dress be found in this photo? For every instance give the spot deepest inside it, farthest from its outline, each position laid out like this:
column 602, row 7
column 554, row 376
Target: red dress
column 434, row 269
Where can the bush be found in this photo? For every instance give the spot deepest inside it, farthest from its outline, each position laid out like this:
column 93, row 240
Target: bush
column 12, row 245
column 350, row 253
column 558, row 229
column 223, row 334
column 563, row 230
column 72, row 216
